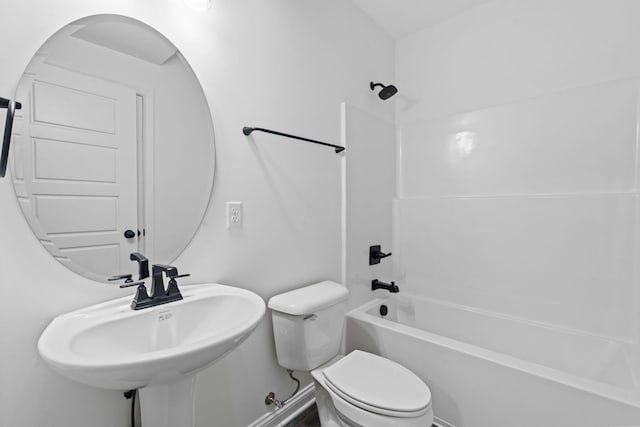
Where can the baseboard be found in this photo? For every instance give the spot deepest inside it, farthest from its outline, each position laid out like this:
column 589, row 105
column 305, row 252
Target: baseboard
column 441, row 423
column 279, row 417
column 300, row 402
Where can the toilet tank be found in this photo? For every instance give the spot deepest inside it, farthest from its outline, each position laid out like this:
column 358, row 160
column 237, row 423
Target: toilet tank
column 308, row 324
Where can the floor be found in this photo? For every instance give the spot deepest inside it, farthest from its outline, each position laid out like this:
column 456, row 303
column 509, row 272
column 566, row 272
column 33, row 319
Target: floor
column 308, row 418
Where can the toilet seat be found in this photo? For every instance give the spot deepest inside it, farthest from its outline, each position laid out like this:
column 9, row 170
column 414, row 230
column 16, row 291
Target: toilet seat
column 378, row 385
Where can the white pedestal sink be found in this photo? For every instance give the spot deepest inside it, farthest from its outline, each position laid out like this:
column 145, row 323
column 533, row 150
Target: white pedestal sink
column 158, row 350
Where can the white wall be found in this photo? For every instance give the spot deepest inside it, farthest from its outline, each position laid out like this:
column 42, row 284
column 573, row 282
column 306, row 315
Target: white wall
column 286, row 64
column 535, row 214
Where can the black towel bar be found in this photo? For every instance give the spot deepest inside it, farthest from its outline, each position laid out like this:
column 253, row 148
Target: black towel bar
column 11, row 107
column 247, row 131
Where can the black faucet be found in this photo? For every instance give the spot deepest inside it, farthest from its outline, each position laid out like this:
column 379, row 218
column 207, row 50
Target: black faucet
column 157, row 283
column 391, row 287
column 159, row 295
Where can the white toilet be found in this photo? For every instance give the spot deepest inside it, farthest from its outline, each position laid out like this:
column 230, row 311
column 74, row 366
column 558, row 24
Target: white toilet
column 359, row 389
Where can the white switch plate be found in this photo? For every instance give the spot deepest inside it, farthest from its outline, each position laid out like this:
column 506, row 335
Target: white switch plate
column 234, row 215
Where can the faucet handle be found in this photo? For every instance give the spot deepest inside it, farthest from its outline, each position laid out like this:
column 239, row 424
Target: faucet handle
column 129, row 284
column 142, row 298
column 172, row 289
column 127, row 277
column 376, row 254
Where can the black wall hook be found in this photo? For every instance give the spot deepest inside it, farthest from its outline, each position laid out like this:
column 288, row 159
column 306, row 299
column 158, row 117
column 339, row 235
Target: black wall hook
column 11, row 107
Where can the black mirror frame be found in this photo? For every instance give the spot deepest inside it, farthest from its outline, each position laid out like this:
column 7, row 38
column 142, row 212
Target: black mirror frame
column 11, row 107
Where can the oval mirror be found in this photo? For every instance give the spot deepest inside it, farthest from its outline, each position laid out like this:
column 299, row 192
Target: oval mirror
column 113, row 148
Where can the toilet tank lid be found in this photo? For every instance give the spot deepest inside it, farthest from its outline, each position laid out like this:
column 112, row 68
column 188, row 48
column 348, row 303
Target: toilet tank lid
column 309, row 299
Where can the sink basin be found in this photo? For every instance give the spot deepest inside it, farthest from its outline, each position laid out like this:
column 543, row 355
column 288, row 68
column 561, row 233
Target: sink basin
column 109, row 345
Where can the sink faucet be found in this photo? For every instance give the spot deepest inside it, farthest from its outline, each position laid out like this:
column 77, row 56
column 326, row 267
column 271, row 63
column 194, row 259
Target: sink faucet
column 159, row 294
column 157, row 283
column 391, row 287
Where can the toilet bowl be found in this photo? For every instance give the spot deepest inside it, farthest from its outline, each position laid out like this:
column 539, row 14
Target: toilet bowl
column 358, row 389
column 363, row 389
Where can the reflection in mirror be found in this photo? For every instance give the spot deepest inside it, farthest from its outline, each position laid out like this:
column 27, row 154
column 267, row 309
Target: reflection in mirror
column 113, row 149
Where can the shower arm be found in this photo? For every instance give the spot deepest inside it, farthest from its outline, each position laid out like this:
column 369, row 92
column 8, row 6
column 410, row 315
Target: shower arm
column 247, row 131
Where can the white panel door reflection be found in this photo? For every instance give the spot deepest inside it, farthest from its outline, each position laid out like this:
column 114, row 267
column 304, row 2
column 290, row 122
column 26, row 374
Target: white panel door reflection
column 80, row 173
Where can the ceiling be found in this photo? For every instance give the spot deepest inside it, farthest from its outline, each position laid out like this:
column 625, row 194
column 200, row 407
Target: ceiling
column 128, row 37
column 402, row 17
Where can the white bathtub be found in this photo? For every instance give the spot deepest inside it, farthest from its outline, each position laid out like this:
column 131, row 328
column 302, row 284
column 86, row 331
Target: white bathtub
column 487, row 370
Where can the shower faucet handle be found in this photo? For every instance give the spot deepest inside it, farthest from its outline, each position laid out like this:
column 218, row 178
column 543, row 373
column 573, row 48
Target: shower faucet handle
column 375, row 254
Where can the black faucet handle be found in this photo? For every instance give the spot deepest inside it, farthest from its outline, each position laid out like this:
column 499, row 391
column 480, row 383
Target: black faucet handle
column 129, row 284
column 376, row 254
column 128, row 278
column 172, row 288
column 141, row 299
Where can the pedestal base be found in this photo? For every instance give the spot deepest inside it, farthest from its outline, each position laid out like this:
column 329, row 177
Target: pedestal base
column 168, row 405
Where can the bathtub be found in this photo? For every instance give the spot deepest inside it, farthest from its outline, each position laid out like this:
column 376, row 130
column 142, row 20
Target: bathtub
column 490, row 370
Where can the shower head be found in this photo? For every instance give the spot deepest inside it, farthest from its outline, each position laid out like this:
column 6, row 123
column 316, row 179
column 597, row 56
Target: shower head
column 386, row 92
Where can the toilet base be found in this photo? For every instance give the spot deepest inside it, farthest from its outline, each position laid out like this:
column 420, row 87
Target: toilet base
column 326, row 410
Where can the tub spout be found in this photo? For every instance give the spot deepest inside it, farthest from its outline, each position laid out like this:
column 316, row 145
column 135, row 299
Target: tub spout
column 391, row 287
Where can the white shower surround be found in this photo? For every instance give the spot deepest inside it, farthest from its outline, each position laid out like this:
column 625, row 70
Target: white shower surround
column 526, row 237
